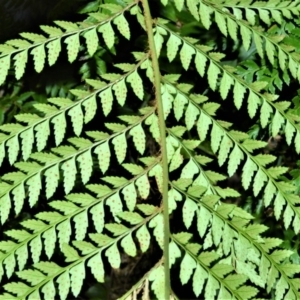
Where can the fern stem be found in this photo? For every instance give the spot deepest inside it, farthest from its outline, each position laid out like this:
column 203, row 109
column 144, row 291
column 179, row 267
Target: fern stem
column 162, row 127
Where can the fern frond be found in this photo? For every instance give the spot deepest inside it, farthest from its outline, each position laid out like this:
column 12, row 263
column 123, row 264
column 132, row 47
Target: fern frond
column 65, row 158
column 265, row 11
column 255, row 99
column 77, row 207
column 57, row 116
column 142, row 162
column 85, row 252
column 227, row 222
column 264, row 176
column 232, row 22
column 35, row 44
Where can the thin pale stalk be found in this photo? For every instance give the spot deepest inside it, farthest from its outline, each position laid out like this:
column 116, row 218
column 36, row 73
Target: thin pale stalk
column 162, row 127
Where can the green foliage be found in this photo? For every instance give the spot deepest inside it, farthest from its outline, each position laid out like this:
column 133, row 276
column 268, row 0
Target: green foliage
column 83, row 174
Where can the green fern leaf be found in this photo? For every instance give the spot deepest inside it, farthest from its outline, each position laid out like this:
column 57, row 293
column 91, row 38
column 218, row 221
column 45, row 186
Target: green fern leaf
column 64, row 232
column 97, row 268
column 130, row 196
column 189, row 170
column 86, row 165
column 225, row 85
column 36, row 249
column 27, row 142
column 19, row 43
column 68, row 26
column 187, row 266
column 9, row 264
column 225, row 146
column 122, row 26
column 279, row 202
column 22, row 256
column 5, row 64
column 97, row 212
column 72, row 46
column 120, row 146
column 120, row 90
column 191, row 115
column 108, row 34
column 143, row 186
column 91, row 41
column 176, row 161
column 5, row 207
column 19, row 196
column 172, row 46
column 20, row 63
column 157, row 278
column 265, row 112
column 235, row 159
column 167, row 99
column 51, row 30
column 259, row 180
column 50, row 241
column 143, row 237
column 42, row 134
column 64, row 285
column 158, row 225
column 70, row 253
column 203, row 125
column 129, row 246
column 253, row 103
column 251, row 145
column 269, row 193
column 103, row 152
column 216, row 136
column 200, row 275
column 277, row 122
column 32, row 276
column 217, row 229
column 77, row 276
column 81, row 224
column 60, row 125
column 39, row 56
column 69, row 168
column 205, row 12
column 139, row 138
column 52, row 177
column 179, row 103
column 211, row 287
column 115, row 181
column 17, row 288
column 54, row 48
column 213, row 72
column 113, row 256
column 248, row 172
column 137, row 84
column 115, row 204
column 246, row 37
column 116, row 229
column 77, row 119
column 188, row 212
column 200, row 62
column 35, row 186
column 289, row 132
column 270, row 50
column 186, row 54
column 220, row 20
column 45, row 108
column 106, row 101
column 133, row 168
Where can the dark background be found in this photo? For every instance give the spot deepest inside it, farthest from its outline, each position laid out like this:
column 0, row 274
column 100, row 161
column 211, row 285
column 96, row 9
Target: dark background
column 25, row 15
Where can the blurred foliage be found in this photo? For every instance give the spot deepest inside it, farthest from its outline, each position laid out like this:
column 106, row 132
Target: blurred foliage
column 19, row 96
